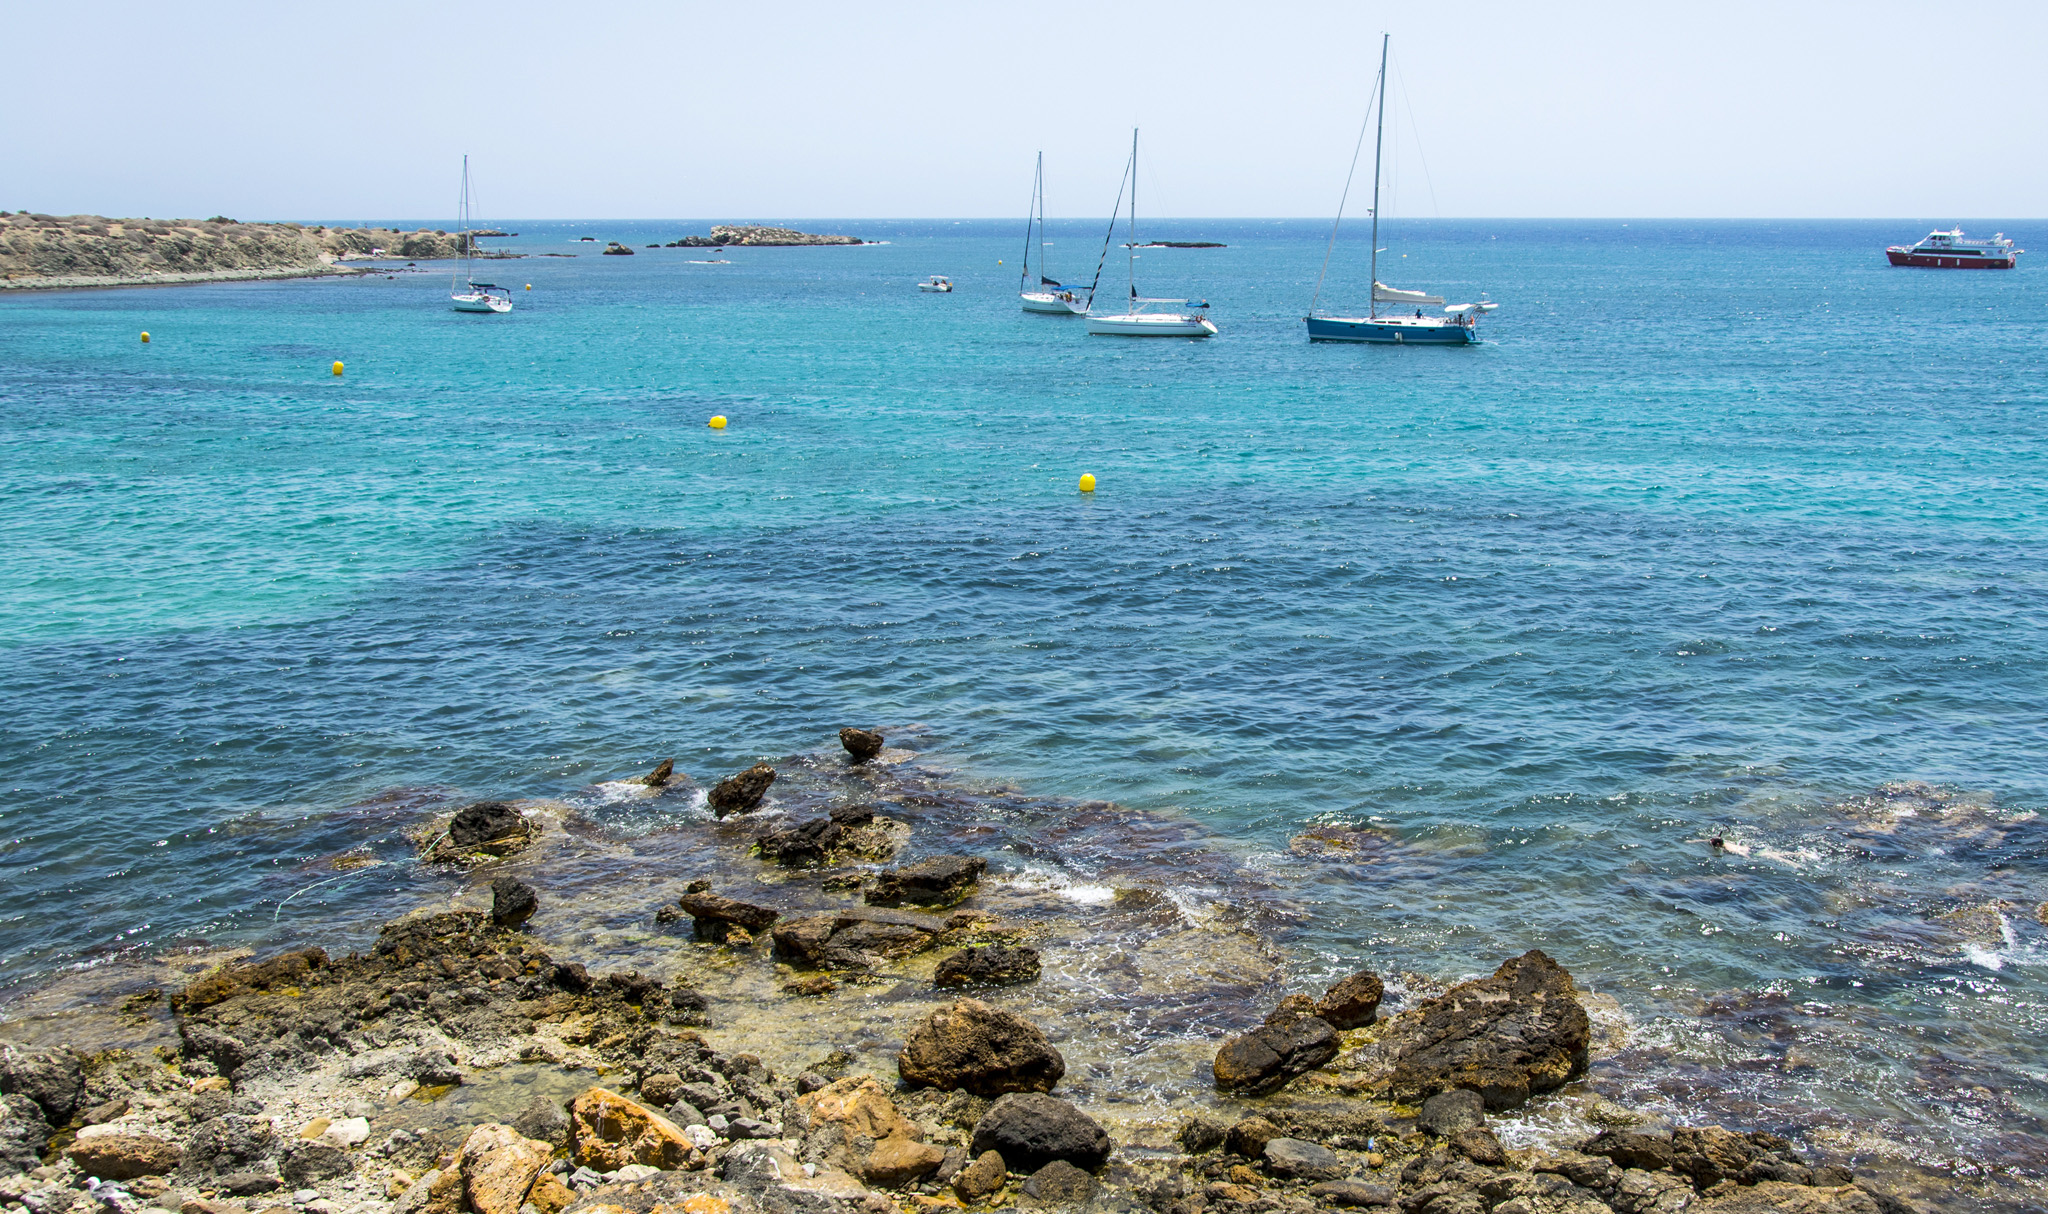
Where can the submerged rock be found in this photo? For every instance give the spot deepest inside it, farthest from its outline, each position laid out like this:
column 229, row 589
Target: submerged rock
column 485, row 822
column 1354, row 1193
column 741, row 793
column 938, row 882
column 1293, row 1159
column 970, row 1046
column 804, row 844
column 512, row 902
column 1059, row 1185
column 1267, row 1058
column 862, row 744
column 716, row 914
column 989, row 965
column 1353, row 1002
column 1031, row 1129
column 854, row 939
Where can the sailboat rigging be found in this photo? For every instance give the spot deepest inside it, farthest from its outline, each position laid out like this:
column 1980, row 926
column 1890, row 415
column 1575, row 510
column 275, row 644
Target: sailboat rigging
column 1458, row 326
column 465, row 293
column 1046, row 294
column 1136, row 321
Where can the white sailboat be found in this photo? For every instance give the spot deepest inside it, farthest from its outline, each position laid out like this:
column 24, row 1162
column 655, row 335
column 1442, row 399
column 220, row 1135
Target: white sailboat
column 1045, row 295
column 1137, row 321
column 1458, row 326
column 465, row 293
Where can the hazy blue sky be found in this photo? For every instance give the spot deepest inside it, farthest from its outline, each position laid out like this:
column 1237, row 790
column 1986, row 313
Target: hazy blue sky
column 619, row 109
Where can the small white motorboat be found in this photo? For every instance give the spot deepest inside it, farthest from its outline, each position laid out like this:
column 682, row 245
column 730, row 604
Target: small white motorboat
column 937, row 282
column 1139, row 323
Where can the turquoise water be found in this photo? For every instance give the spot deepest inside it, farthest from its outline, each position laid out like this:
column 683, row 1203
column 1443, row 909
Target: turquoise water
column 1725, row 528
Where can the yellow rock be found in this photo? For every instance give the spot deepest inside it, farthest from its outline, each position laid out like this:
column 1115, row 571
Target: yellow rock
column 608, row 1131
column 705, row 1203
column 875, row 1142
column 213, row 1083
column 315, row 1128
column 549, row 1195
column 397, row 1183
column 498, row 1166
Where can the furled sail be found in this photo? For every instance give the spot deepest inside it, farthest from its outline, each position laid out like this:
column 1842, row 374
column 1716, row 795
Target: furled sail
column 1382, row 293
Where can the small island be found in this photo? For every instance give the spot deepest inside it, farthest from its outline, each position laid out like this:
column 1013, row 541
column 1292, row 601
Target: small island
column 53, row 251
column 753, row 236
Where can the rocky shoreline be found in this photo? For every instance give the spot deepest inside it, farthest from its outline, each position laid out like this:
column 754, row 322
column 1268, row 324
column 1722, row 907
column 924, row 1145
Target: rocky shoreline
column 890, row 1049
column 41, row 252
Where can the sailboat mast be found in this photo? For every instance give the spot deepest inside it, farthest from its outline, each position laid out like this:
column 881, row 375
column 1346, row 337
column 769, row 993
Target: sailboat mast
column 1132, row 247
column 1037, row 184
column 1378, row 139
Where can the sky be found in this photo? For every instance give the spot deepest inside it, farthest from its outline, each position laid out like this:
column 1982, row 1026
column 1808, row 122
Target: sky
column 625, row 108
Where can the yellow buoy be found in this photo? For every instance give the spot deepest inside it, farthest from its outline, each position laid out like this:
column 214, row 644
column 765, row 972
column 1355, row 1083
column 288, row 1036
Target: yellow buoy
column 145, row 339
column 1087, row 482
column 337, row 366
column 529, row 286
column 718, row 423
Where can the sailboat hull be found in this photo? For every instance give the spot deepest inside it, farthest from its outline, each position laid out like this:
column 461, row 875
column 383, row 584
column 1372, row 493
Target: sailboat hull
column 1052, row 305
column 479, row 303
column 1151, row 324
column 1392, row 330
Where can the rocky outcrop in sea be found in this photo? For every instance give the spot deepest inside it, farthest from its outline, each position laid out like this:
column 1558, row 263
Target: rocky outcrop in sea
column 755, row 236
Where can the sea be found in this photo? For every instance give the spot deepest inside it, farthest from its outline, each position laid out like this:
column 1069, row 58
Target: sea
column 1404, row 658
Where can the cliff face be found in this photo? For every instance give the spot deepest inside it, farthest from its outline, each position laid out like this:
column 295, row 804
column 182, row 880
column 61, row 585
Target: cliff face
column 88, row 250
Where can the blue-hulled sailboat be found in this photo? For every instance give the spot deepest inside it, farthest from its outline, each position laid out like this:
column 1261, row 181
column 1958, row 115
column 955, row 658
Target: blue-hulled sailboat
column 1457, row 326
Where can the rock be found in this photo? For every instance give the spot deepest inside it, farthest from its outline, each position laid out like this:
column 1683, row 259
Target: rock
column 348, row 1133
column 661, row 1090
column 849, row 816
column 543, row 1121
column 549, row 1195
column 750, row 1127
column 437, row 1192
column 1508, row 1036
column 804, row 844
column 1479, row 1145
column 248, row 1184
column 991, row 965
column 810, row 985
column 100, row 1114
column 1249, row 1137
column 123, row 1156
column 486, row 822
column 1647, row 1152
column 1030, row 1130
column 1353, row 1002
column 23, row 1134
column 1199, row 1135
column 51, row 1078
column 1445, row 1113
column 862, row 744
column 738, row 794
column 1058, row 1184
column 498, row 1166
column 715, row 914
column 754, row 1166
column 956, row 1159
column 1267, row 1058
column 982, row 1177
column 973, row 1047
column 854, row 1126
column 854, row 939
column 608, row 1131
column 660, row 775
column 1293, row 1159
column 307, row 1163
column 1353, row 1193
column 1779, row 1197
column 512, row 903
column 701, row 1136
column 938, row 882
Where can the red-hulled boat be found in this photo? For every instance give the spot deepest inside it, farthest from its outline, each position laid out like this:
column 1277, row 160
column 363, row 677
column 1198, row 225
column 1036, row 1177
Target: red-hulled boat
column 1951, row 250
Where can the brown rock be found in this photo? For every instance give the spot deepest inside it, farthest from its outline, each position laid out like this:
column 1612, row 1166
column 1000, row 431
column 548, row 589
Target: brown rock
column 1518, row 1032
column 1058, row 1185
column 938, row 882
column 498, row 1166
column 857, row 1128
column 854, row 939
column 123, row 1156
column 608, row 1131
column 1479, row 1145
column 973, row 1047
column 862, row 744
column 738, row 794
column 549, row 1195
column 1352, row 1002
column 1780, row 1197
column 709, row 908
column 661, row 1088
column 991, row 965
column 1267, row 1058
column 1250, row 1136
column 236, row 978
column 982, row 1177
column 660, row 775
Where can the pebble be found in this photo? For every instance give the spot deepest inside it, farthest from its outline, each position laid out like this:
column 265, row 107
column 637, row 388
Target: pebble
column 702, row 1137
column 303, row 1196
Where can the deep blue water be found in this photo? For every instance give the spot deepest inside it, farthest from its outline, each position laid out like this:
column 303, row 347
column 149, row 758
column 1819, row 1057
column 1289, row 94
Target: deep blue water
column 1726, row 526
